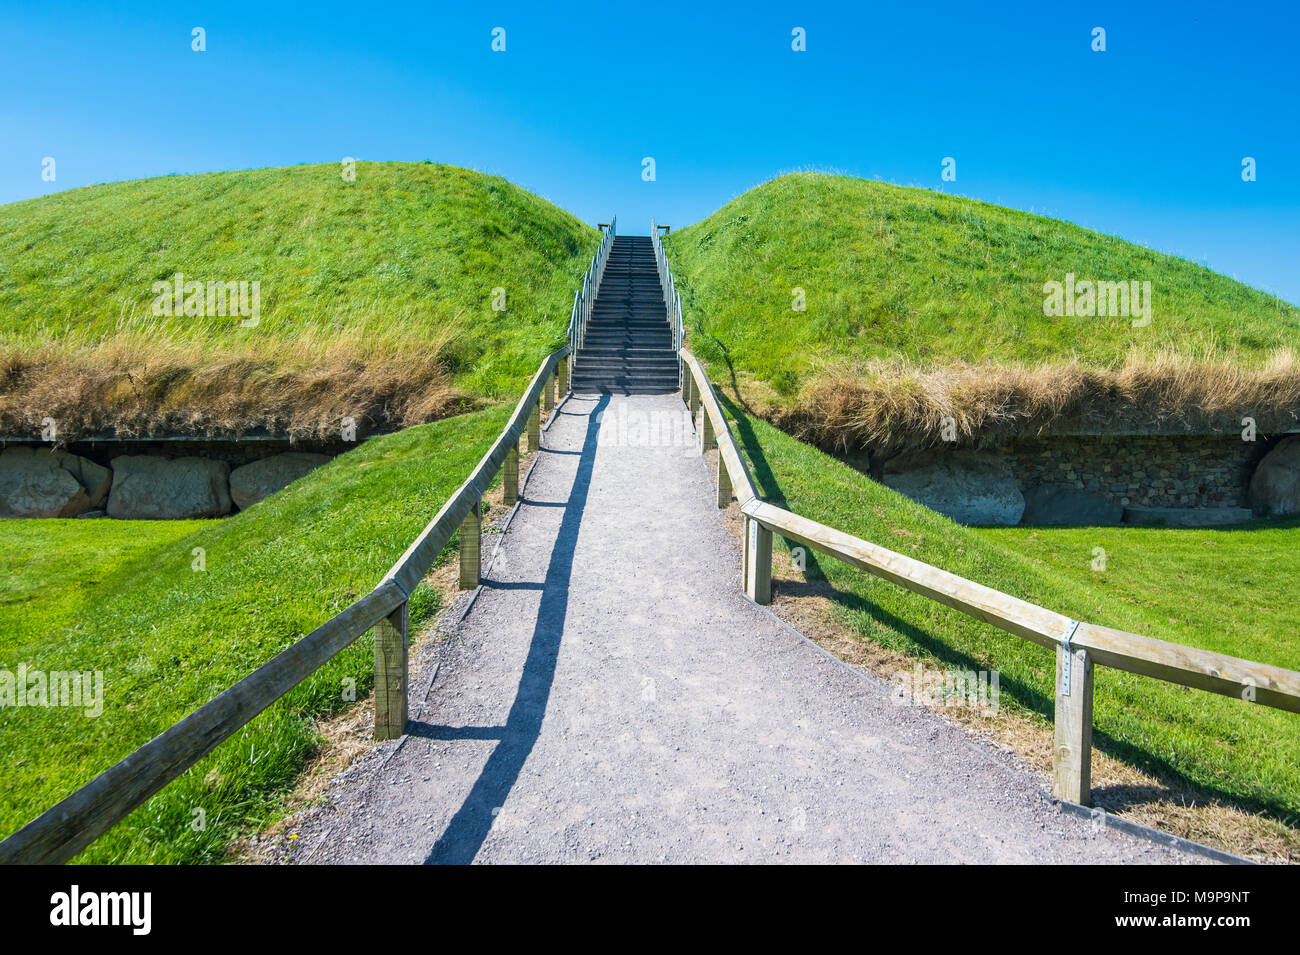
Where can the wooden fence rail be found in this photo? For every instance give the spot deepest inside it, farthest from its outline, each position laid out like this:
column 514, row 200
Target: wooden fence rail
column 1079, row 645
column 75, row 822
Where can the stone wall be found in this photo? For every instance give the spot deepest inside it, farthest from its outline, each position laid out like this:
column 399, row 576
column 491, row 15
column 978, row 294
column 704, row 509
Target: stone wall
column 1142, row 470
column 234, row 453
column 148, row 480
column 1172, row 480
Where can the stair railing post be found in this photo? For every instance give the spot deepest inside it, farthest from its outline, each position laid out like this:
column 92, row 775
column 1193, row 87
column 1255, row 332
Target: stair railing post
column 708, row 440
column 535, row 428
column 1072, row 751
column 391, row 675
column 758, row 561
column 510, row 475
column 471, row 547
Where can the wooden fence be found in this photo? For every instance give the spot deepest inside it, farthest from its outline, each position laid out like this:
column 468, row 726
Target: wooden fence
column 1078, row 645
column 71, row 825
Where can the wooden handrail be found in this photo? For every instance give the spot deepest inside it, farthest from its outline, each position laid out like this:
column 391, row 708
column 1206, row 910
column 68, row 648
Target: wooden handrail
column 76, row 821
column 1171, row 662
column 80, row 818
column 424, row 550
column 741, row 483
column 1079, row 645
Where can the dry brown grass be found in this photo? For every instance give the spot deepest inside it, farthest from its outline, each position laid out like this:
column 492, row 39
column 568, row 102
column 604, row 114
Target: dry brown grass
column 884, row 405
column 133, row 386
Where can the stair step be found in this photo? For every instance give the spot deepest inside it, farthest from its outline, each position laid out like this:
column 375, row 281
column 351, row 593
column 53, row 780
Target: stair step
column 627, row 347
column 603, row 365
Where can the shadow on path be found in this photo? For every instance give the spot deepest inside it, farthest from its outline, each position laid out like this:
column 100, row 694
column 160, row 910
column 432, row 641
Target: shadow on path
column 464, row 835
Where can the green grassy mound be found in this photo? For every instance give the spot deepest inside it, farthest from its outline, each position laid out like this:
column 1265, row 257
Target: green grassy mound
column 918, row 306
column 892, row 271
column 123, row 597
column 376, row 298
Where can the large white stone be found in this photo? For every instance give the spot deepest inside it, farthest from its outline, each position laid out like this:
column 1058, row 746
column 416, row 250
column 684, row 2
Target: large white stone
column 40, row 482
column 970, row 487
column 252, row 482
column 154, row 488
column 1275, row 485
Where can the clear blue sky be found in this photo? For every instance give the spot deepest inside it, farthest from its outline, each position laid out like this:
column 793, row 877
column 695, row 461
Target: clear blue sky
column 1144, row 141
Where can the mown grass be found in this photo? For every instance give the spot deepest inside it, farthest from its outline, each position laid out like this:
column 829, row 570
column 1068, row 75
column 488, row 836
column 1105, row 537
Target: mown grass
column 52, row 569
column 1226, row 589
column 124, row 598
column 376, row 296
column 920, row 305
column 1231, row 750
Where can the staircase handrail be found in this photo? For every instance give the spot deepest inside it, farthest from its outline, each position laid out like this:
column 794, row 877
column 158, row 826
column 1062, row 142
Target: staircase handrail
column 672, row 299
column 584, row 300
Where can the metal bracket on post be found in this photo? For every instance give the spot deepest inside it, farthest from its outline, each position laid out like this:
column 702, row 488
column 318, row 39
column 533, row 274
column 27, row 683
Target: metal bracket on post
column 1069, row 656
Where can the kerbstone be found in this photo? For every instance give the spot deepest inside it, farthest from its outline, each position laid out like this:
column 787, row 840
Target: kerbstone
column 146, row 487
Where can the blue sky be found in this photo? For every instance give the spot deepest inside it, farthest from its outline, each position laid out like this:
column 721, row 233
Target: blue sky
column 1144, row 140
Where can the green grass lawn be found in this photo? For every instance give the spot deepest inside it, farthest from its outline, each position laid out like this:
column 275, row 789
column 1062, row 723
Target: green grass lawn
column 1231, row 595
column 53, row 568
column 1221, row 589
column 123, row 598
column 893, row 272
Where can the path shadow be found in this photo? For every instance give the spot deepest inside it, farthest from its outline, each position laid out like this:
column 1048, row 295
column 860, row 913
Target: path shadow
column 464, row 835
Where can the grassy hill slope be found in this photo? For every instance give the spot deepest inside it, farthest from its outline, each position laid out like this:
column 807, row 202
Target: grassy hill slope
column 1249, row 755
column 123, row 597
column 376, row 298
column 919, row 304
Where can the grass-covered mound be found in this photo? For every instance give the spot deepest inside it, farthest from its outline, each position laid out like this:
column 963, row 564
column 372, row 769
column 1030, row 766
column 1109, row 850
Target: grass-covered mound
column 919, row 305
column 124, row 597
column 376, row 299
column 1229, row 749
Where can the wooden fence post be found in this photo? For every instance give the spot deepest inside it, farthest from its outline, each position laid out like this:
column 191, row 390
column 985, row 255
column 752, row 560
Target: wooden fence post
column 744, row 553
column 564, row 376
column 694, row 402
column 548, row 392
column 535, row 428
column 686, row 385
column 510, row 475
column 391, row 675
column 724, row 483
column 1072, row 754
column 708, row 440
column 471, row 544
column 758, row 562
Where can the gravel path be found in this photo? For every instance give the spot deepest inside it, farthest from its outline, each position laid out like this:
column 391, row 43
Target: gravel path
column 612, row 696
